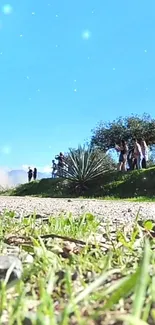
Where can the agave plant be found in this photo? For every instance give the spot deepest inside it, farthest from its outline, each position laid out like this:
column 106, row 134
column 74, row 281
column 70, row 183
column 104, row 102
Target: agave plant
column 84, row 165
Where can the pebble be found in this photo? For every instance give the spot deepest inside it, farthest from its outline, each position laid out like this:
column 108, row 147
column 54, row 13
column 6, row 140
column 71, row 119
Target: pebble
column 28, row 259
column 8, row 261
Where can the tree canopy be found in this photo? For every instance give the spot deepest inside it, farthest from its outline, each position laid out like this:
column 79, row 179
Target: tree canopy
column 106, row 135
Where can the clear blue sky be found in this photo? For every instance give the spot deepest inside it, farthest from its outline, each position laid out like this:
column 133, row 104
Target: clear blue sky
column 64, row 66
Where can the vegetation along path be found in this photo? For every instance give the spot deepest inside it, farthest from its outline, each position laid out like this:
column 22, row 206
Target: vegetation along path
column 120, row 211
column 96, row 269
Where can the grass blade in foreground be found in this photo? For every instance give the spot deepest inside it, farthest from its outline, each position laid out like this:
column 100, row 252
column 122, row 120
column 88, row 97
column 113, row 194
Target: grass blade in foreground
column 142, row 281
column 89, row 289
column 124, row 290
column 132, row 320
column 94, row 285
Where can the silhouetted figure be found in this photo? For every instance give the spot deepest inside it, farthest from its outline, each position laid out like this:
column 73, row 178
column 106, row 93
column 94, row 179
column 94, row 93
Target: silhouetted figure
column 35, row 173
column 123, row 149
column 138, row 154
column 132, row 162
column 30, row 173
column 144, row 148
column 54, row 169
column 60, row 159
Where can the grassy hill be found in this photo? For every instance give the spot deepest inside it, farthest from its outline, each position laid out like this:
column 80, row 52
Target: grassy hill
column 114, row 184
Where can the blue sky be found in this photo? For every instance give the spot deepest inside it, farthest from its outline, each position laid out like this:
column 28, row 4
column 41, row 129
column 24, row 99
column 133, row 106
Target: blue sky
column 64, row 66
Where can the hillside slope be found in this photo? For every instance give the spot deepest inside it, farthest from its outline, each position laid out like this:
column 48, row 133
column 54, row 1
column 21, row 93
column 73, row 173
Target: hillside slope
column 115, row 184
column 131, row 185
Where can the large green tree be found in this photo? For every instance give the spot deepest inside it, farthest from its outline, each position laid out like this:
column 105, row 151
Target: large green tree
column 106, row 135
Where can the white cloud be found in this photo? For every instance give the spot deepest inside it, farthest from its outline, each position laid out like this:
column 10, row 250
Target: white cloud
column 42, row 169
column 25, row 167
column 4, row 178
column 12, row 177
column 46, row 169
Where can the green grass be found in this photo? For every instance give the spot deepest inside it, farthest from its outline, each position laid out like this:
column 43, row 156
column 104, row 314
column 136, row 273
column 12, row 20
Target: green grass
column 131, row 199
column 96, row 281
column 137, row 185
column 44, row 188
column 133, row 185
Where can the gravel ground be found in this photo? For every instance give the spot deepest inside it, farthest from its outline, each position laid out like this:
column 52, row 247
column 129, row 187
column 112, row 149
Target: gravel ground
column 120, row 211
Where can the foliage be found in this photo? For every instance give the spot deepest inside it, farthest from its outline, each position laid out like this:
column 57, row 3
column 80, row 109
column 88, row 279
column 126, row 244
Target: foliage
column 86, row 164
column 139, row 183
column 94, row 281
column 48, row 187
column 135, row 184
column 106, row 135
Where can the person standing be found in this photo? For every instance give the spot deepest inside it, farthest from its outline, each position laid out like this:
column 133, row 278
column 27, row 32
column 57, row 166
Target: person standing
column 60, row 159
column 144, row 149
column 131, row 159
column 138, row 154
column 54, row 169
column 35, row 174
column 29, row 174
column 123, row 149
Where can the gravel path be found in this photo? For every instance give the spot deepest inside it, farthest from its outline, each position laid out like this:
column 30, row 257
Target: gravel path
column 120, row 211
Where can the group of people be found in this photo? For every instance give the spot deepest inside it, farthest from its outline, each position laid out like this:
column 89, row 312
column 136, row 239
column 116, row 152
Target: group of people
column 58, row 169
column 32, row 174
column 135, row 158
column 129, row 159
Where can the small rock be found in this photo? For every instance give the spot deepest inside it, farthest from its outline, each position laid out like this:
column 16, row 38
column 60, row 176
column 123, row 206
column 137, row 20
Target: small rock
column 7, row 261
column 37, row 216
column 61, row 275
column 27, row 321
column 69, row 201
column 28, row 259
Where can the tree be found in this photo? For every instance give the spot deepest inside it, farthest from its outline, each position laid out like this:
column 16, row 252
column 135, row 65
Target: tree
column 84, row 165
column 106, row 135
